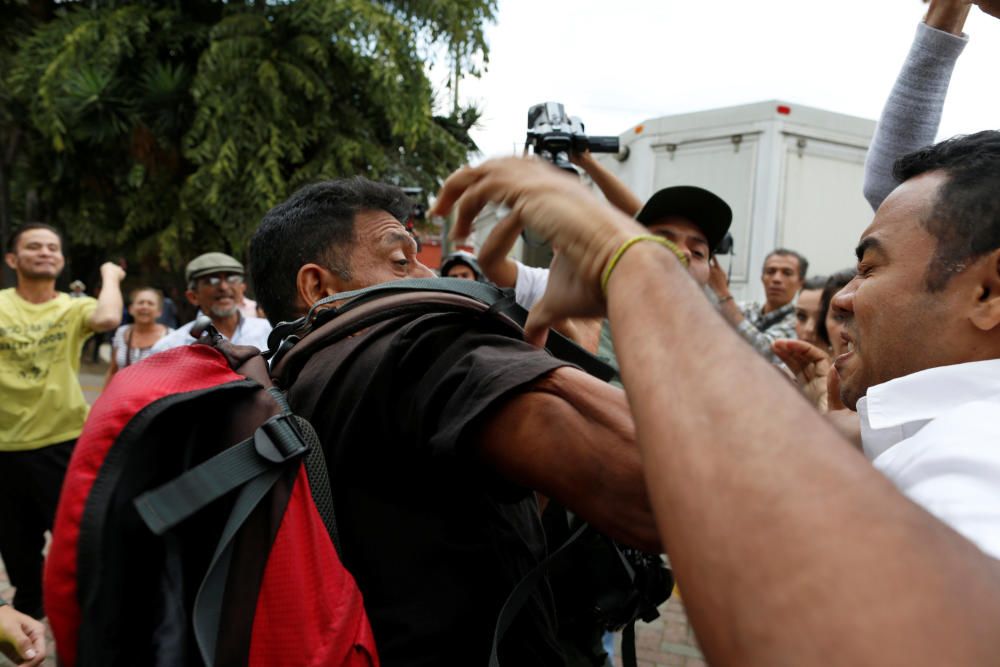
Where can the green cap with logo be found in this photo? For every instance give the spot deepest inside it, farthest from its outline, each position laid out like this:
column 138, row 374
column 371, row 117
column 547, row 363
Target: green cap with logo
column 211, row 262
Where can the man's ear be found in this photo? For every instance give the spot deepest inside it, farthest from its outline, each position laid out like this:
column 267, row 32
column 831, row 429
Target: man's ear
column 986, row 312
column 313, row 282
column 192, row 298
column 11, row 260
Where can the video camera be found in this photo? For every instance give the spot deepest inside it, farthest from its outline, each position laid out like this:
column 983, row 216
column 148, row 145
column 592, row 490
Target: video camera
column 552, row 135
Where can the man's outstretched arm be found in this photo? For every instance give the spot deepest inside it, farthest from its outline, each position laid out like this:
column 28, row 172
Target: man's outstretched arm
column 571, row 437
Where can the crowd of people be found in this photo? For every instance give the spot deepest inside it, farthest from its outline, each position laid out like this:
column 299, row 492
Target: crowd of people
column 728, row 438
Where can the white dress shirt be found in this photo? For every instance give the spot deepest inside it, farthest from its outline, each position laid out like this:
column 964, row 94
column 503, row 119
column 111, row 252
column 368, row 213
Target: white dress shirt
column 936, row 435
column 250, row 331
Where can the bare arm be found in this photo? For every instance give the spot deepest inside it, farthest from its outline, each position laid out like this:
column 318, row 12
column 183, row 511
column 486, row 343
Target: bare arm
column 781, row 505
column 572, row 438
column 614, row 190
column 790, row 548
column 108, row 313
column 493, row 259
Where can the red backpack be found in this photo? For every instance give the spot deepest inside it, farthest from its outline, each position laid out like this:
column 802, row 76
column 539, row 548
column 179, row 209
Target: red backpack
column 196, row 526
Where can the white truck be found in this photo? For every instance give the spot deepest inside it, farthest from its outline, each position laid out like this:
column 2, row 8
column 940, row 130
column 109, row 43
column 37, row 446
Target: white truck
column 792, row 175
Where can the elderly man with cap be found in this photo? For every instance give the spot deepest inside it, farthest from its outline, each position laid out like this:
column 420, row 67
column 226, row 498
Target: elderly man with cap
column 214, row 282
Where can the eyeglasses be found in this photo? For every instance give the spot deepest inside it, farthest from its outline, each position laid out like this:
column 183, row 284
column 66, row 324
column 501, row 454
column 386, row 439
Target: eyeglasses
column 215, row 281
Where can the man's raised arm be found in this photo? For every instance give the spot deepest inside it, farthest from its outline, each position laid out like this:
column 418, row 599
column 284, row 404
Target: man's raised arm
column 108, row 313
column 912, row 114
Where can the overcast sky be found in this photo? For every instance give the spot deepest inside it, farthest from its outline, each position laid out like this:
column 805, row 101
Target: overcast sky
column 617, row 63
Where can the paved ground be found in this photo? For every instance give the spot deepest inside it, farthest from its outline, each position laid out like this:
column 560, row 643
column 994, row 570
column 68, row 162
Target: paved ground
column 667, row 641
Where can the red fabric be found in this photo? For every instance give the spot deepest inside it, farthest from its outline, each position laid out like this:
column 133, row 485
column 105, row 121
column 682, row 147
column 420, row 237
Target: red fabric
column 304, row 572
column 174, row 371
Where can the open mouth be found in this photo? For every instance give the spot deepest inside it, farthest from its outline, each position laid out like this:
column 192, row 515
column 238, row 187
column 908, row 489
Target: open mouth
column 848, row 350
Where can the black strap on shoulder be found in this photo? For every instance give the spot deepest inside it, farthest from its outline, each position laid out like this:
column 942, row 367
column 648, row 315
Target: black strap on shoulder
column 207, row 615
column 628, row 645
column 276, row 441
column 559, row 345
column 523, row 590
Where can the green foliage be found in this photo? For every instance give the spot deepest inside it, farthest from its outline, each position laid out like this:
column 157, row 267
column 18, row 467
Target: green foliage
column 168, row 128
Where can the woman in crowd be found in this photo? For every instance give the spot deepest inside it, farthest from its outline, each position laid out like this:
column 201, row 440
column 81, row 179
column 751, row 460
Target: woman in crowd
column 807, row 309
column 134, row 342
column 811, row 357
column 830, row 323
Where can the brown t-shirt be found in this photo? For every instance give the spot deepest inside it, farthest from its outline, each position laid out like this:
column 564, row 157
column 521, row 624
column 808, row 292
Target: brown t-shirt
column 435, row 539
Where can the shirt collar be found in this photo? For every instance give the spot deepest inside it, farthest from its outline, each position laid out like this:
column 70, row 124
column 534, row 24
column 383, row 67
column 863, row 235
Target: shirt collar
column 894, row 410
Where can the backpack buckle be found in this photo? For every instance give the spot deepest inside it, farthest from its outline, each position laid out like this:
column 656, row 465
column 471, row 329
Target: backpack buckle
column 278, row 439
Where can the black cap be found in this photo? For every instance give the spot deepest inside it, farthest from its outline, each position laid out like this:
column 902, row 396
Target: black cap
column 461, row 257
column 705, row 209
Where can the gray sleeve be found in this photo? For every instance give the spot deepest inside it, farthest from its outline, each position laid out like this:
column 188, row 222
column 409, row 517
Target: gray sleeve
column 912, row 113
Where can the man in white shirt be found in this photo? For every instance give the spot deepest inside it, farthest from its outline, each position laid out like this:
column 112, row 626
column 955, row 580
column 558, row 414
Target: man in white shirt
column 215, row 283
column 923, row 334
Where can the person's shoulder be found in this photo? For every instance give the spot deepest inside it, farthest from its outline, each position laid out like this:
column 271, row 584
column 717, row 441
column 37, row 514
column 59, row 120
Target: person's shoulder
column 81, row 307
column 120, row 334
column 258, row 323
column 176, row 338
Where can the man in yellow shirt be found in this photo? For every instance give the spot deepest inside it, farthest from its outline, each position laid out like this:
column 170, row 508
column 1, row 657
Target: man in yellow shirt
column 42, row 332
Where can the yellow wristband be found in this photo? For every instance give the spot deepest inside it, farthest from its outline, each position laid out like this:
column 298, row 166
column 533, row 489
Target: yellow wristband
column 667, row 243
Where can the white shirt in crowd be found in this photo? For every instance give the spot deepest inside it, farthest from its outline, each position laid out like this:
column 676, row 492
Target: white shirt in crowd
column 250, row 331
column 936, row 435
column 530, row 285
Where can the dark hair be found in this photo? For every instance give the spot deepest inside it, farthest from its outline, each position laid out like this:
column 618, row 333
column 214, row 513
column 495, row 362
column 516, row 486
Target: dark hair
column 834, row 284
column 316, row 224
column 965, row 218
column 813, row 283
column 785, row 252
column 464, row 258
column 27, row 227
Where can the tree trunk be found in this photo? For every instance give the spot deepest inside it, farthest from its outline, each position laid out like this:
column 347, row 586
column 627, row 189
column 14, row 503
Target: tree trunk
column 11, row 148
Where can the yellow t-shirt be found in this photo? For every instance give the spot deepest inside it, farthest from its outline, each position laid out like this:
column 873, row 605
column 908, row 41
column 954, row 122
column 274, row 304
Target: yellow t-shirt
column 41, row 402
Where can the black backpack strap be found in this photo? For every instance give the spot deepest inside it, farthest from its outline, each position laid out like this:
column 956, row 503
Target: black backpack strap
column 498, row 299
column 316, row 470
column 208, row 603
column 628, row 645
column 523, row 590
column 276, row 441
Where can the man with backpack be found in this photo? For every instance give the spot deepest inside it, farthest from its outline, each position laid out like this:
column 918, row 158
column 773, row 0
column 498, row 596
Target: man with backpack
column 437, row 427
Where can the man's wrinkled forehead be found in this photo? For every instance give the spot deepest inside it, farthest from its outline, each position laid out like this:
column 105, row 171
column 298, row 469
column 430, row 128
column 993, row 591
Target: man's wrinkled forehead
column 381, row 228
